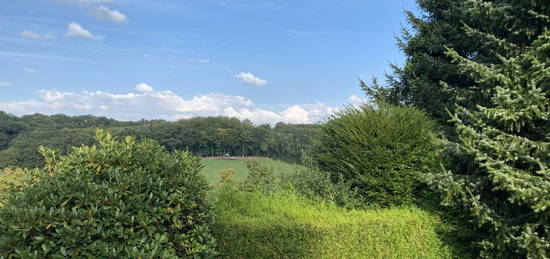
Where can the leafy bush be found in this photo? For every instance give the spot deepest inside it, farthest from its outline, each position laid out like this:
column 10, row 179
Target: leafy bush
column 227, row 175
column 306, row 180
column 118, row 199
column 261, row 178
column 313, row 184
column 379, row 150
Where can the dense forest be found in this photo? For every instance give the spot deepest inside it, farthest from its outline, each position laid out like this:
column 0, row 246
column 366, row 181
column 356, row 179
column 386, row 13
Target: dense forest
column 20, row 137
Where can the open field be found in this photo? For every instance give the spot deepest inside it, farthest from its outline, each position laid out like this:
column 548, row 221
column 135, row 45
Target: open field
column 212, row 168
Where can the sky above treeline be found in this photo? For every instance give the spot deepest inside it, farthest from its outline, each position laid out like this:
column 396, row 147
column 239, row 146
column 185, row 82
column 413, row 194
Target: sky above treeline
column 265, row 60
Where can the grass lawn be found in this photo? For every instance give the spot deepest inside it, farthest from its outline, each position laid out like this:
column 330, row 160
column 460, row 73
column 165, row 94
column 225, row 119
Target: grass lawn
column 213, row 167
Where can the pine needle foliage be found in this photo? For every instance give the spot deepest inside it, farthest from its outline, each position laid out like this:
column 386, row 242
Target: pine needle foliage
column 119, row 199
column 503, row 180
column 482, row 69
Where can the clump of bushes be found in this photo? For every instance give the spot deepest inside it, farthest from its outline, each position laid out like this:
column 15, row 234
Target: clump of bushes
column 380, row 150
column 118, row 199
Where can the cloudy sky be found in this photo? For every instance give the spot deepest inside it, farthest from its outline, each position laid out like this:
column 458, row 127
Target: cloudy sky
column 266, row 60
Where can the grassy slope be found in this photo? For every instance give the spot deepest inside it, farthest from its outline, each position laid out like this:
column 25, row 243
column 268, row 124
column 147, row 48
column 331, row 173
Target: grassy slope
column 213, row 167
column 252, row 225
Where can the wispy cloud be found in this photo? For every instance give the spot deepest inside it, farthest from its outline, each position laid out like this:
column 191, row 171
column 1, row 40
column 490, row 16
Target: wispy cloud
column 249, row 78
column 36, row 36
column 5, row 84
column 200, row 60
column 104, row 13
column 30, row 70
column 40, row 56
column 76, row 30
column 357, row 101
column 145, row 102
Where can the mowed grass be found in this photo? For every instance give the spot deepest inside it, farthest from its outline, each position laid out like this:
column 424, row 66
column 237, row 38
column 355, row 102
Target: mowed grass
column 213, row 167
column 284, row 225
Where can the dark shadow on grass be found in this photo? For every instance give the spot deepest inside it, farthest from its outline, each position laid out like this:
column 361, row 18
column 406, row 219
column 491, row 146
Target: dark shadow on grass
column 288, row 240
column 455, row 231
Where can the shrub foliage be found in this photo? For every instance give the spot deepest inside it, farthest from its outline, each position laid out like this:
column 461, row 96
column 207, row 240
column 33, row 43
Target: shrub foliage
column 118, row 199
column 378, row 150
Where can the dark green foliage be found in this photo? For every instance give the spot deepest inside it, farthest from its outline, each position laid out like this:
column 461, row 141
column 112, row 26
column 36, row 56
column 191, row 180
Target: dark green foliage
column 378, row 150
column 480, row 30
column 210, row 136
column 501, row 173
column 122, row 199
column 487, row 63
column 23, row 151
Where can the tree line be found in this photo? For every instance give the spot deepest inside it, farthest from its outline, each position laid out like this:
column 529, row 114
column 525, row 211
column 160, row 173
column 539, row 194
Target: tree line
column 20, row 137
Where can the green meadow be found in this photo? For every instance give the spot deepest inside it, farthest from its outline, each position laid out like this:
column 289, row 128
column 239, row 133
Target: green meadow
column 212, row 167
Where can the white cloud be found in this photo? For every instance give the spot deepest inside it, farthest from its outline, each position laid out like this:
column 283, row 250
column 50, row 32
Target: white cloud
column 251, row 79
column 356, row 100
column 30, row 70
column 75, row 30
column 5, row 84
column 143, row 87
column 103, row 12
column 36, row 36
column 147, row 103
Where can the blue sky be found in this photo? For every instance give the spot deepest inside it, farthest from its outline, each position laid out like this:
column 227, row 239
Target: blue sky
column 288, row 60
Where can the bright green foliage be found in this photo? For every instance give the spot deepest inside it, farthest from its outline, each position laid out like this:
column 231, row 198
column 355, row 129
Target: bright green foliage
column 286, row 225
column 123, row 199
column 503, row 180
column 379, row 150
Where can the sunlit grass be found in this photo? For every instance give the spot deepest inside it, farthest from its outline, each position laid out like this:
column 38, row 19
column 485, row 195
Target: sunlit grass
column 284, row 225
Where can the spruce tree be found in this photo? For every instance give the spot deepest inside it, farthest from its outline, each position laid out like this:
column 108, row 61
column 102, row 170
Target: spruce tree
column 483, row 69
column 500, row 170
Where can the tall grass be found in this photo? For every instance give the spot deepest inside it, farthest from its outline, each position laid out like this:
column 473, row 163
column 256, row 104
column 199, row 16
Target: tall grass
column 283, row 224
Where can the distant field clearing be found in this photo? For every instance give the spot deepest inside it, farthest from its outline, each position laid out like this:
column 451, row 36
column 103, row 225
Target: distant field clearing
column 212, row 167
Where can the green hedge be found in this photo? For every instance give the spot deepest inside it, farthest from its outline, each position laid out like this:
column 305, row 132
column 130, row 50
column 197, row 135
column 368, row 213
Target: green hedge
column 379, row 150
column 123, row 199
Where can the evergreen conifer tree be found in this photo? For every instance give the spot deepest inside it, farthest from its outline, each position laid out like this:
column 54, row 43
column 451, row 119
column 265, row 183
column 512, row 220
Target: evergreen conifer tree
column 486, row 66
